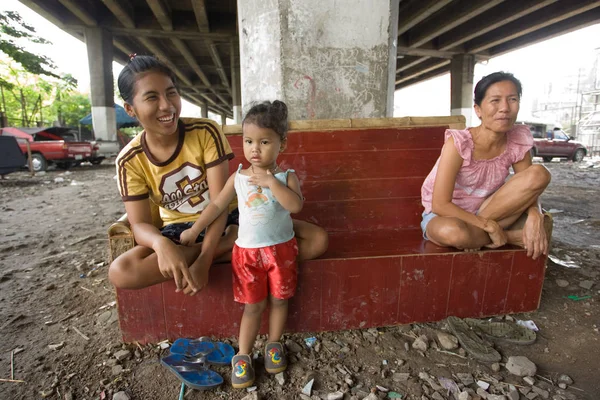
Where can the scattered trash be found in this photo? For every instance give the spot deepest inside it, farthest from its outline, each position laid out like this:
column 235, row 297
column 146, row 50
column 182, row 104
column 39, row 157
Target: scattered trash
column 577, row 298
column 75, row 183
column 307, row 389
column 59, row 180
column 529, row 324
column 394, row 395
column 382, row 389
column 310, row 341
column 57, row 346
column 109, row 305
column 449, row 384
column 555, row 211
column 567, row 263
column 384, row 362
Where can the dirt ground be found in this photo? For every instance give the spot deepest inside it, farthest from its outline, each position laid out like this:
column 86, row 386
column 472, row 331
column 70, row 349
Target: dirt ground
column 54, row 291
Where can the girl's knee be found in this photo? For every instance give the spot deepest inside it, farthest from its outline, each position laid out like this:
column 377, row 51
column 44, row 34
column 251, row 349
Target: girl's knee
column 117, row 273
column 453, row 233
column 256, row 308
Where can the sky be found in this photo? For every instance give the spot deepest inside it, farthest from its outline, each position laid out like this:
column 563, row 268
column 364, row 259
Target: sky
column 535, row 66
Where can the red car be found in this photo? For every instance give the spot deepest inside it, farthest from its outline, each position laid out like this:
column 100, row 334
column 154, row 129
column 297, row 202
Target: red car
column 550, row 143
column 48, row 148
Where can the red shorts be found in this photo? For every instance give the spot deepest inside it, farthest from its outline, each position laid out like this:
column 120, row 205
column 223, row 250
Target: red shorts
column 260, row 271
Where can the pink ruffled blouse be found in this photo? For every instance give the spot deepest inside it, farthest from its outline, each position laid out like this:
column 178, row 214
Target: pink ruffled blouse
column 478, row 179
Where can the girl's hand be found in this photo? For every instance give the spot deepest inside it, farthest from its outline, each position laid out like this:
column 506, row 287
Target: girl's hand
column 262, row 180
column 534, row 235
column 172, row 264
column 188, row 237
column 496, row 233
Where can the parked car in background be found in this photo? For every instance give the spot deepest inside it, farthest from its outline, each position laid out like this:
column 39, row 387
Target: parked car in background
column 551, row 141
column 48, row 148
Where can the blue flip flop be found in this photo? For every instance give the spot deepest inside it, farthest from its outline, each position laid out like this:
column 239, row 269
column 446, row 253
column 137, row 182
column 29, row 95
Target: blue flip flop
column 217, row 353
column 196, row 376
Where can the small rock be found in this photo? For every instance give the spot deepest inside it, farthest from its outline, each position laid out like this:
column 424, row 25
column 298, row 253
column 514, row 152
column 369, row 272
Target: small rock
column 462, row 352
column 544, row 393
column 251, row 396
column 466, row 379
column 496, row 367
column 513, row 394
column 280, row 378
column 400, row 377
column 51, row 286
column 335, row 396
column 47, row 393
column 69, row 396
column 122, row 355
column 532, row 395
column 562, row 283
column 565, row 379
column 562, row 385
column 521, row 366
column 496, row 397
column 437, row 396
column 529, row 380
column 420, row 343
column 117, row 370
column 57, row 346
column 447, row 341
column 406, row 346
column 120, row 396
column 482, row 393
column 304, row 397
column 586, row 284
column 464, row 396
column 484, row 385
column 371, row 396
column 292, row 346
column 111, row 362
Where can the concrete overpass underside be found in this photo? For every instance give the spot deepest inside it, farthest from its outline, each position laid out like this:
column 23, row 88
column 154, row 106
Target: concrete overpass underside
column 199, row 39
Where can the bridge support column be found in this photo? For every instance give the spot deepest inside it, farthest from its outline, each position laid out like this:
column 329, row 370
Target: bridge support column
column 462, row 68
column 323, row 59
column 100, row 56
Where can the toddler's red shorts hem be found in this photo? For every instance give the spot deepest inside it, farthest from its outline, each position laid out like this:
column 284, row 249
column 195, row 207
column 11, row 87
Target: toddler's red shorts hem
column 260, row 271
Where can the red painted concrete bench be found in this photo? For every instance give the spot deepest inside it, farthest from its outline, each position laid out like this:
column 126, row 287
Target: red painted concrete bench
column 361, row 180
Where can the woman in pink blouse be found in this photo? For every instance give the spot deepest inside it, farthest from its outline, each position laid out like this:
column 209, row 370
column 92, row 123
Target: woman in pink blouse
column 468, row 202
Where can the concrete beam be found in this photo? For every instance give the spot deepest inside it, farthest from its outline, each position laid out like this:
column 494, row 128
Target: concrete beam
column 162, row 13
column 79, row 12
column 453, row 16
column 158, row 33
column 416, row 12
column 415, row 72
column 212, row 49
column 199, row 7
column 409, row 51
column 122, row 10
column 429, row 75
column 490, row 20
column 410, row 63
column 540, row 19
column 572, row 24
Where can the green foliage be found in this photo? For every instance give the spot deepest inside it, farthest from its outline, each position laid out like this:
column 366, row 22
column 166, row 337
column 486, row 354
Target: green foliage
column 13, row 27
column 28, row 99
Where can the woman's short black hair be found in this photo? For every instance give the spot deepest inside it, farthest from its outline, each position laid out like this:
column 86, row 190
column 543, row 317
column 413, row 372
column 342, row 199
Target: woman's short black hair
column 488, row 80
column 269, row 115
column 135, row 69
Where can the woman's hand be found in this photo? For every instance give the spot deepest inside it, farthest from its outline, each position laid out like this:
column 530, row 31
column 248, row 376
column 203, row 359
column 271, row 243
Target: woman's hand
column 172, row 264
column 199, row 270
column 496, row 233
column 188, row 237
column 534, row 235
column 262, row 180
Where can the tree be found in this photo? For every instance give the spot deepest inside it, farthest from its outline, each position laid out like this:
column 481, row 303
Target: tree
column 70, row 109
column 13, row 27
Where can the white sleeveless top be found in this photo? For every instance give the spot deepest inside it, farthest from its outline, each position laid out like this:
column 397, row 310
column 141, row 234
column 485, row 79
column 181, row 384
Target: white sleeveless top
column 263, row 221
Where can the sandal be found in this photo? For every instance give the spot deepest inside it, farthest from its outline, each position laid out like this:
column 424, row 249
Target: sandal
column 502, row 331
column 472, row 343
column 218, row 353
column 196, row 376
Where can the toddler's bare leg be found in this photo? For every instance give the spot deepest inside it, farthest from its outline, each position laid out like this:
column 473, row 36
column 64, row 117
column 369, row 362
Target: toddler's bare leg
column 277, row 318
column 250, row 325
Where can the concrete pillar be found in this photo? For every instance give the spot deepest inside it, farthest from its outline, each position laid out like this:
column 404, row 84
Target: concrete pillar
column 223, row 119
column 204, row 110
column 324, row 58
column 100, row 57
column 462, row 67
column 236, row 88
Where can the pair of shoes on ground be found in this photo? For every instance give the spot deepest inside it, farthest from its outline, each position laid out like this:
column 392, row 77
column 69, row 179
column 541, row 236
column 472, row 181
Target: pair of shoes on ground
column 469, row 331
column 242, row 374
column 189, row 360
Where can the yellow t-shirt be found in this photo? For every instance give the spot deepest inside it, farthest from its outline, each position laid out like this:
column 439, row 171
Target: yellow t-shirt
column 178, row 186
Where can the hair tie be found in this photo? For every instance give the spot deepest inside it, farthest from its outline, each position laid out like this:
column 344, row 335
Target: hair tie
column 132, row 56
